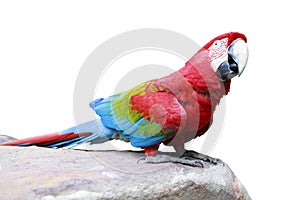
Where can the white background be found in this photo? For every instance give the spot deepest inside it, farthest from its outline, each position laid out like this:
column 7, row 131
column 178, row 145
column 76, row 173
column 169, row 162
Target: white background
column 43, row 45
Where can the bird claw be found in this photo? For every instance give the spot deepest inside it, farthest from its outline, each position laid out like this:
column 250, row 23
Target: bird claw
column 141, row 158
column 166, row 158
column 190, row 158
column 203, row 157
column 192, row 162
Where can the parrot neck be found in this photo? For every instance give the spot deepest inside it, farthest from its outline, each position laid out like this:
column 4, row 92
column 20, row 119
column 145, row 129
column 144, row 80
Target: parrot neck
column 205, row 81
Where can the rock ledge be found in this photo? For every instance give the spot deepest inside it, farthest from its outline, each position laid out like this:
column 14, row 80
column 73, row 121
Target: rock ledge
column 48, row 174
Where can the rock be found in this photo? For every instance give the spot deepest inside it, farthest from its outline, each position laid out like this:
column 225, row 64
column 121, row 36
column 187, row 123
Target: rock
column 6, row 138
column 61, row 174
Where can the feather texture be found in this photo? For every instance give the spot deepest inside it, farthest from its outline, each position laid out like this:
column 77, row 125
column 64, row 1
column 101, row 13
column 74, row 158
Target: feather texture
column 170, row 110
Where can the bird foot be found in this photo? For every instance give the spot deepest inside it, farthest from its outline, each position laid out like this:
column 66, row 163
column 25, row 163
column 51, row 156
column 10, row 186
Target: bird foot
column 190, row 158
column 166, row 158
column 203, row 157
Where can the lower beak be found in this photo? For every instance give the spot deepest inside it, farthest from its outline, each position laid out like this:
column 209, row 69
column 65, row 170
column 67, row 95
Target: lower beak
column 236, row 61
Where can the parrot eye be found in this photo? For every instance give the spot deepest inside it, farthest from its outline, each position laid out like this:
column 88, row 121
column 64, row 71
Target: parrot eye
column 217, row 44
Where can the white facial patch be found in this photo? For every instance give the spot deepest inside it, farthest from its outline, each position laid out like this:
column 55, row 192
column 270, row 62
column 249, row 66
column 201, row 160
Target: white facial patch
column 218, row 53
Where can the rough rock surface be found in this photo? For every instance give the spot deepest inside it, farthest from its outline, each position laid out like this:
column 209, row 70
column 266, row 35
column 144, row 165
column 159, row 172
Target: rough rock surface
column 48, row 174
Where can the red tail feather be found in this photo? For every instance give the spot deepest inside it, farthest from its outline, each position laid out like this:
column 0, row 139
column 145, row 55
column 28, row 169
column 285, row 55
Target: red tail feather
column 46, row 139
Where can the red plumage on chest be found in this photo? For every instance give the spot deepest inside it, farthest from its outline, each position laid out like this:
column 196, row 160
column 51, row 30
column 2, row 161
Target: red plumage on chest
column 182, row 102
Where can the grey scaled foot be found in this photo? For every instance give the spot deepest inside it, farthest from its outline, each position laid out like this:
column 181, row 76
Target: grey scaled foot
column 203, row 157
column 168, row 158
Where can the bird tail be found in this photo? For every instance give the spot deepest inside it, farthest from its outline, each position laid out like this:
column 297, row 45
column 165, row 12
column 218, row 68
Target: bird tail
column 89, row 132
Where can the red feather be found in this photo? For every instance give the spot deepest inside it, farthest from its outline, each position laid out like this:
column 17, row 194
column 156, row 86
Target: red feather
column 45, row 139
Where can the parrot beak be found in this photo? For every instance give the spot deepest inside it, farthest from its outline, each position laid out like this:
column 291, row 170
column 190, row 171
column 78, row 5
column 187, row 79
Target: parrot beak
column 236, row 60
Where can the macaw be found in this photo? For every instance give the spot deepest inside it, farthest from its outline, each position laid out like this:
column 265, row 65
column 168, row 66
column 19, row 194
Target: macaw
column 171, row 110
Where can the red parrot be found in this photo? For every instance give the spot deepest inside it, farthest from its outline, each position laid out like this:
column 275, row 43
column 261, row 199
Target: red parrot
column 171, row 110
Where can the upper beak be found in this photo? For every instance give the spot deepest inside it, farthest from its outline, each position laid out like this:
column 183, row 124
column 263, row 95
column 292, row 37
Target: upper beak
column 238, row 51
column 236, row 60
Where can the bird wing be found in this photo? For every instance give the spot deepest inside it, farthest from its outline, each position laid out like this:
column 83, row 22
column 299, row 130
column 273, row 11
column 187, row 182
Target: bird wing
column 146, row 115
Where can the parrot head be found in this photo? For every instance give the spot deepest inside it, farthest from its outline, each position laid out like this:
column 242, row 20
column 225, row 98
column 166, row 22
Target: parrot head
column 228, row 54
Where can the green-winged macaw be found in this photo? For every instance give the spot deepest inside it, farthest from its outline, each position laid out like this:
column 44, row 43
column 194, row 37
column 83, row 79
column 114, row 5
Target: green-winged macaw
column 171, row 110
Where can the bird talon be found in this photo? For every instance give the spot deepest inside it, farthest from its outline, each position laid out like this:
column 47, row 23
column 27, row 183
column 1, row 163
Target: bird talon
column 200, row 156
column 165, row 159
column 198, row 163
column 141, row 158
